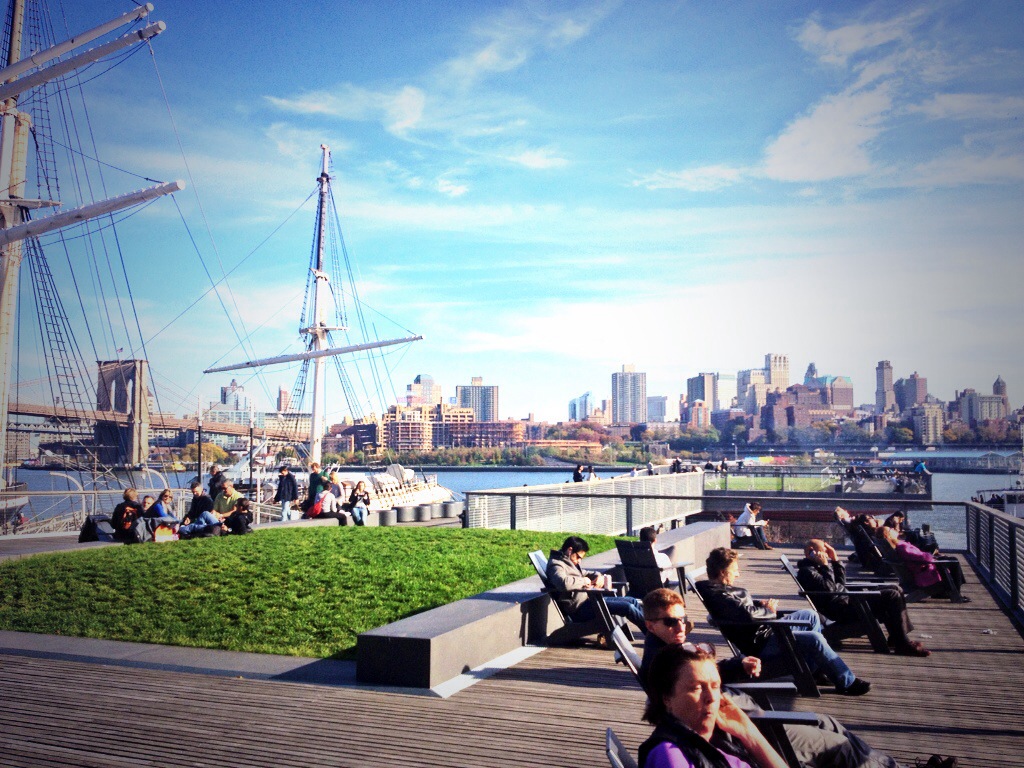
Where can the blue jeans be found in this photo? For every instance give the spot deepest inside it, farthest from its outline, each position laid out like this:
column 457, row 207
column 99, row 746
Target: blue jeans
column 206, row 521
column 629, row 607
column 813, row 649
column 286, row 510
column 759, row 538
column 359, row 513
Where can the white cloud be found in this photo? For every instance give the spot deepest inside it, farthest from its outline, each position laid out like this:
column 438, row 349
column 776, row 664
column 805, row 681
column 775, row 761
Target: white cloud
column 832, row 140
column 955, row 169
column 970, row 106
column 450, row 188
column 538, row 159
column 705, row 179
column 837, row 46
column 399, row 110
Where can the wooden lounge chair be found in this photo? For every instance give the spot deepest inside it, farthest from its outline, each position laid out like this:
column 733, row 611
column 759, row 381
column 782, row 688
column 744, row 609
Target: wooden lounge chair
column 866, row 624
column 947, row 587
column 782, row 628
column 572, row 632
column 618, row 755
column 641, row 568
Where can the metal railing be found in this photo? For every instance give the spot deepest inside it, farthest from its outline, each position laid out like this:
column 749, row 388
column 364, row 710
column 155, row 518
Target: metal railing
column 66, row 510
column 995, row 546
column 613, row 506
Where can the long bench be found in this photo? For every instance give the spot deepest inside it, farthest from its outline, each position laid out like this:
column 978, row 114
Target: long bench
column 430, row 648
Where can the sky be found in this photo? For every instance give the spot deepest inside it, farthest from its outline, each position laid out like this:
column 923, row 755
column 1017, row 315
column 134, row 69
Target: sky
column 548, row 191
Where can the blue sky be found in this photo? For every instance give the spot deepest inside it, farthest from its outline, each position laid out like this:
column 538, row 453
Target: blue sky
column 547, row 191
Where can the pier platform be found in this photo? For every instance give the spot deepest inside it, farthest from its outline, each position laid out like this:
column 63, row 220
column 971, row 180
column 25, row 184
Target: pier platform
column 62, row 709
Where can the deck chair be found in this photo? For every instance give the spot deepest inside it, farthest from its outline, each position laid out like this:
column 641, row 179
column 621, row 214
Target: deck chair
column 641, row 568
column 947, row 587
column 867, row 550
column 618, row 755
column 782, row 628
column 573, row 631
column 866, row 623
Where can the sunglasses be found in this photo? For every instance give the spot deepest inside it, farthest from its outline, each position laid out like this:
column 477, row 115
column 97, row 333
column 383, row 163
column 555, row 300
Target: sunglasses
column 707, row 648
column 670, row 621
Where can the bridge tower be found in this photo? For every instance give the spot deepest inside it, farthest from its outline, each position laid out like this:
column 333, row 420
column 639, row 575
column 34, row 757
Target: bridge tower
column 123, row 387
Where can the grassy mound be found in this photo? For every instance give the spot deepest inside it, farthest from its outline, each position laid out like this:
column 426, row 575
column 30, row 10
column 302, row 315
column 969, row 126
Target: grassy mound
column 294, row 591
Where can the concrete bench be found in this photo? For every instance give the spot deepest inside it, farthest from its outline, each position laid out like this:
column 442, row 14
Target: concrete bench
column 435, row 646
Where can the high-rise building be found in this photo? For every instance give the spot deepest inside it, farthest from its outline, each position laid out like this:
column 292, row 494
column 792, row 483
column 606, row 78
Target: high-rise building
column 976, row 409
column 579, row 408
column 233, row 396
column 483, row 400
column 999, row 390
column 423, row 391
column 703, row 386
column 629, row 396
column 284, row 399
column 657, row 408
column 751, row 386
column 776, row 368
column 910, row 392
column 885, row 397
column 698, row 416
column 928, row 423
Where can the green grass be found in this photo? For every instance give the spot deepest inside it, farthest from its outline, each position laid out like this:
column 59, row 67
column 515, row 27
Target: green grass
column 296, row 591
column 750, row 483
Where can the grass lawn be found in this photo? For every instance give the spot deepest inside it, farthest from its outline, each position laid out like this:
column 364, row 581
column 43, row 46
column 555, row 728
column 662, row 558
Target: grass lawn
column 294, row 591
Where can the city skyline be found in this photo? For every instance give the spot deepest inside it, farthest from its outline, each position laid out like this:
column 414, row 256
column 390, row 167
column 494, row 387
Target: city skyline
column 546, row 193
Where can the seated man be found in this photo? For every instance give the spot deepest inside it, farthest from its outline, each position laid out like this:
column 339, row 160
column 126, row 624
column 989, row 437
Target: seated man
column 225, row 507
column 727, row 602
column 200, row 520
column 565, row 573
column 827, row 744
column 750, row 527
column 821, row 571
column 649, row 534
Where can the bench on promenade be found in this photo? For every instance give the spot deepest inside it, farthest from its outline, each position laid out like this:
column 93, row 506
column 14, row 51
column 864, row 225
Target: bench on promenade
column 432, row 647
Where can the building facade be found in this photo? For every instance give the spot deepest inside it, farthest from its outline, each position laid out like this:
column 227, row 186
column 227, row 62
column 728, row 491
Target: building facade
column 885, row 397
column 579, row 407
column 481, row 399
column 703, row 386
column 629, row 396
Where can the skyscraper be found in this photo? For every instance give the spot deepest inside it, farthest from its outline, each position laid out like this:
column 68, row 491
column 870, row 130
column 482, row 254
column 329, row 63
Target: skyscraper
column 776, row 368
column 910, row 392
column 629, row 396
column 885, row 397
column 657, row 408
column 284, row 399
column 703, row 386
column 423, row 391
column 579, row 407
column 482, row 399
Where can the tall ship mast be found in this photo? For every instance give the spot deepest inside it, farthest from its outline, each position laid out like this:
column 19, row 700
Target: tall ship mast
column 19, row 229
column 318, row 323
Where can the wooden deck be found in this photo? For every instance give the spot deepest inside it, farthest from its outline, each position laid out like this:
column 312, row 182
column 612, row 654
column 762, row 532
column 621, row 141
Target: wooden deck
column 549, row 710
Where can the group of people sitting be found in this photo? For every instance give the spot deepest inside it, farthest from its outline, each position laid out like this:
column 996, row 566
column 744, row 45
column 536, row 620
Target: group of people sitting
column 134, row 521
column 700, row 724
column 327, row 497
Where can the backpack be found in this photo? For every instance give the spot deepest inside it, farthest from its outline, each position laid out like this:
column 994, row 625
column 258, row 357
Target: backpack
column 316, row 509
column 96, row 528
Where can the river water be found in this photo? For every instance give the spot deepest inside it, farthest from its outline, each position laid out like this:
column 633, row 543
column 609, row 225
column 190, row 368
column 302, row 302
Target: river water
column 946, row 522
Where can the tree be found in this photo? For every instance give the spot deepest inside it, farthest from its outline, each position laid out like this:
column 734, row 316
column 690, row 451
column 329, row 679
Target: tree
column 212, row 453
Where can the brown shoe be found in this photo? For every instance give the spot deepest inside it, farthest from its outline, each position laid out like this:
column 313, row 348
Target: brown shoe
column 914, row 649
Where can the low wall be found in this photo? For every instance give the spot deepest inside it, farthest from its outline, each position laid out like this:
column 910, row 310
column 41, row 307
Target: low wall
column 432, row 647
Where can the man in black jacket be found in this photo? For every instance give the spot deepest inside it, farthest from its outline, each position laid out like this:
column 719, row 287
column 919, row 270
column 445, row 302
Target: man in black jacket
column 821, row 571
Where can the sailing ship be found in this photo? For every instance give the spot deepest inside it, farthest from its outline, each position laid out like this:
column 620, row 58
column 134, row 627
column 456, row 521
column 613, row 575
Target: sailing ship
column 37, row 72
column 326, row 317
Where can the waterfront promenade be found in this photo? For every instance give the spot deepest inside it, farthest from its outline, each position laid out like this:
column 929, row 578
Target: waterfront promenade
column 62, row 707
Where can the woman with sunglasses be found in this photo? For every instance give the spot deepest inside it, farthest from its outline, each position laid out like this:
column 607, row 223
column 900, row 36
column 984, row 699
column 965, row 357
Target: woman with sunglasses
column 687, row 707
column 159, row 513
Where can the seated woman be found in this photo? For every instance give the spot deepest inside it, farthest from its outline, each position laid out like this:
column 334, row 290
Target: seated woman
column 359, row 503
column 922, row 565
column 686, row 706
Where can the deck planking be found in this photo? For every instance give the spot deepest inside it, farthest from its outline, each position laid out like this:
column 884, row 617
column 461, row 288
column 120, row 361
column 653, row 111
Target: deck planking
column 548, row 710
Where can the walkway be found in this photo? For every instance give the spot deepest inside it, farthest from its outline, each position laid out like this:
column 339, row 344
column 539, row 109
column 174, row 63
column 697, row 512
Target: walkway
column 55, row 711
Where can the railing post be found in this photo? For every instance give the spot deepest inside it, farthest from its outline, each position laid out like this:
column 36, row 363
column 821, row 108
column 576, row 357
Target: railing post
column 991, row 546
column 512, row 511
column 629, row 516
column 1014, row 572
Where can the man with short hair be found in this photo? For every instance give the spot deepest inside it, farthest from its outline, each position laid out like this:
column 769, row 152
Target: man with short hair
column 225, row 507
column 287, row 491
column 565, row 573
column 826, row 744
column 823, row 575
column 200, row 520
column 217, row 478
column 727, row 602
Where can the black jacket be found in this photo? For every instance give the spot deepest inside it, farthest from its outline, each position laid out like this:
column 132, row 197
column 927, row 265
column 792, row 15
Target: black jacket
column 734, row 604
column 815, row 577
column 696, row 750
column 287, row 488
